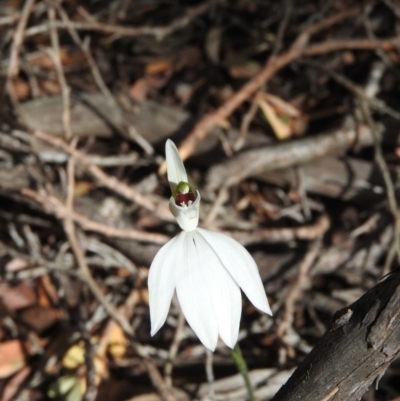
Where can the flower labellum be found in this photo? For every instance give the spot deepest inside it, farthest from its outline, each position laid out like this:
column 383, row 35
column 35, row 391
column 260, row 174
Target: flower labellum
column 206, row 268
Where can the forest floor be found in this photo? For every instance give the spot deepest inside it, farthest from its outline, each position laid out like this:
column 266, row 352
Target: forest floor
column 288, row 117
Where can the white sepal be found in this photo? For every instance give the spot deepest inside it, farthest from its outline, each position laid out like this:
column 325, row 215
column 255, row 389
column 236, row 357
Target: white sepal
column 162, row 279
column 193, row 293
column 241, row 266
column 175, row 169
column 186, row 216
column 225, row 295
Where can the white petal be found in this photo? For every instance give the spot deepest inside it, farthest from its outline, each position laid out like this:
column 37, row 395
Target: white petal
column 161, row 281
column 175, row 168
column 194, row 294
column 225, row 294
column 186, row 216
column 240, row 265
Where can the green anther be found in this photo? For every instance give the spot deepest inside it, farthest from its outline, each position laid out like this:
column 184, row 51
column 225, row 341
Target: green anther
column 182, row 188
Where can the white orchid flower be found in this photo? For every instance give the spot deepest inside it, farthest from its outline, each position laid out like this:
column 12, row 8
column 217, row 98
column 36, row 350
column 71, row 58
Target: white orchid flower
column 206, row 268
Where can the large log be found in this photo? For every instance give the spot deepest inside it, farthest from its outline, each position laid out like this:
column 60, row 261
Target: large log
column 354, row 353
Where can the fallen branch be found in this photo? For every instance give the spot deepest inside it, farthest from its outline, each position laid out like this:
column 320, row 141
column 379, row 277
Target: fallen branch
column 357, row 349
column 283, row 234
column 286, row 155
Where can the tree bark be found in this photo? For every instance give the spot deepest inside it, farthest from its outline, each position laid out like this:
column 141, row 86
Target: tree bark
column 355, row 352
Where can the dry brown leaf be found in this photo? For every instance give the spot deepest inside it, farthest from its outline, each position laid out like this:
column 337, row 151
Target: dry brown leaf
column 282, row 106
column 244, row 71
column 225, row 124
column 281, row 130
column 117, row 342
column 123, row 272
column 14, row 384
column 158, row 67
column 213, row 43
column 21, row 89
column 186, row 57
column 184, row 91
column 394, row 57
column 68, row 59
column 100, row 366
column 43, row 60
column 17, row 297
column 82, row 188
column 39, row 318
column 75, row 356
column 12, row 358
column 43, row 299
column 144, row 295
column 179, row 395
column 50, row 87
column 16, row 264
column 13, row 4
column 49, row 288
column 138, row 90
column 146, row 397
column 348, row 57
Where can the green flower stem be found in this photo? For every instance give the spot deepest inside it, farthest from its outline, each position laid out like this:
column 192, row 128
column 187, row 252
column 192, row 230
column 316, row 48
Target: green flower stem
column 240, row 363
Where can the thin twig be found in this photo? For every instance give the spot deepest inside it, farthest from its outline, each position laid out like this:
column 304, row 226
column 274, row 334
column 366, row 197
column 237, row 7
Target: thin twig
column 54, row 206
column 120, row 31
column 326, row 23
column 158, row 381
column 394, row 7
column 173, row 349
column 10, row 19
column 302, row 192
column 390, row 191
column 216, row 206
column 275, row 235
column 246, row 120
column 288, row 7
column 69, row 228
column 65, row 89
column 91, row 387
column 13, row 66
column 297, row 288
column 355, row 44
column 368, row 7
column 105, row 180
